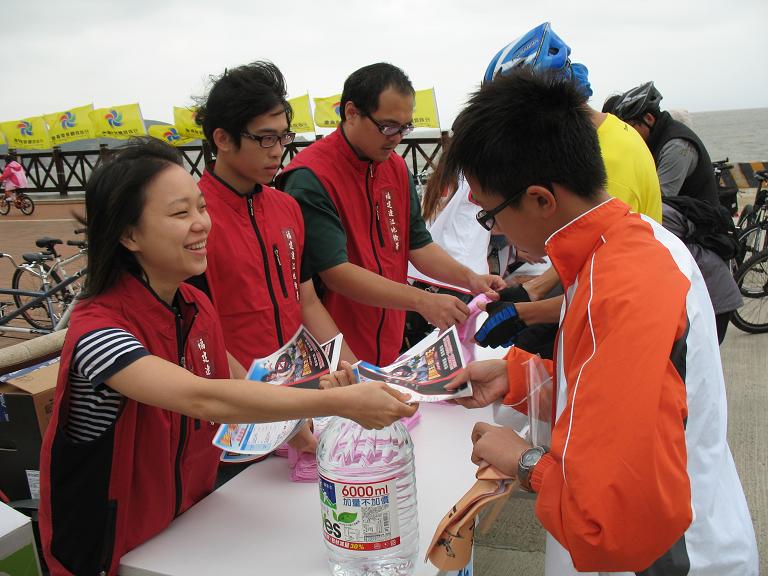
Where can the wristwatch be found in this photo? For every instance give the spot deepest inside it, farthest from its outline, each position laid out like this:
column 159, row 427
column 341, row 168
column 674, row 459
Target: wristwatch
column 526, row 464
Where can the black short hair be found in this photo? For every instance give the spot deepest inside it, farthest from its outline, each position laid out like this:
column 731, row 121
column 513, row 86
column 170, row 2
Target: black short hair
column 364, row 86
column 240, row 95
column 523, row 129
column 114, row 200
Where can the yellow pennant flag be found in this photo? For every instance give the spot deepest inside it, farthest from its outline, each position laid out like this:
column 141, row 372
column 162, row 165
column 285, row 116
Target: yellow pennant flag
column 302, row 114
column 121, row 122
column 327, row 111
column 28, row 134
column 184, row 120
column 169, row 134
column 425, row 111
column 70, row 125
column 3, row 142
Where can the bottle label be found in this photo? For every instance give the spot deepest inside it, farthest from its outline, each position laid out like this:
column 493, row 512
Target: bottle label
column 360, row 516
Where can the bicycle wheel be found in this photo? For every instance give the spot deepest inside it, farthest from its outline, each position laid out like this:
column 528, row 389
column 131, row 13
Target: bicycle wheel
column 5, row 207
column 26, row 205
column 36, row 316
column 746, row 218
column 752, row 279
column 753, row 239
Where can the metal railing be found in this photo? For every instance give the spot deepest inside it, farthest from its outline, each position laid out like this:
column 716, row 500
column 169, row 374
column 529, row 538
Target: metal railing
column 62, row 172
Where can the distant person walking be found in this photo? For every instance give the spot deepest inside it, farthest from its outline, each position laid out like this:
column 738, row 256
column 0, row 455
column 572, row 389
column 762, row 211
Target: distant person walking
column 13, row 177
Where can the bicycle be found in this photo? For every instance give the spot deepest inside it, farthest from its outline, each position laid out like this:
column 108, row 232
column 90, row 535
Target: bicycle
column 50, row 298
column 727, row 190
column 35, row 275
column 753, row 222
column 752, row 279
column 20, row 200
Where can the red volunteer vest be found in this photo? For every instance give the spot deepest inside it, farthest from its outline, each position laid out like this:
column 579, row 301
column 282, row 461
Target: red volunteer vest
column 100, row 499
column 374, row 204
column 254, row 266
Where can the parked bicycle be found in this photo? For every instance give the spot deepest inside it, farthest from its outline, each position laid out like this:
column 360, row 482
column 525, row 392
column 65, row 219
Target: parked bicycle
column 727, row 190
column 752, row 279
column 43, row 292
column 752, row 225
column 20, row 200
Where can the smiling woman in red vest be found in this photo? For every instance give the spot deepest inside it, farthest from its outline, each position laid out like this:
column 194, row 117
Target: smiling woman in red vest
column 141, row 380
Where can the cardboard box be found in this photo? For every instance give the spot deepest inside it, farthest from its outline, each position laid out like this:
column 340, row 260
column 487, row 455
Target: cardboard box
column 26, row 405
column 18, row 554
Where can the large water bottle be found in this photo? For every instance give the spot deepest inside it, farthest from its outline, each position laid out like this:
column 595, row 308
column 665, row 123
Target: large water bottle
column 368, row 499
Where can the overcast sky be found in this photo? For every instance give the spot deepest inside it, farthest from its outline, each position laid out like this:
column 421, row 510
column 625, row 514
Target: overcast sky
column 702, row 54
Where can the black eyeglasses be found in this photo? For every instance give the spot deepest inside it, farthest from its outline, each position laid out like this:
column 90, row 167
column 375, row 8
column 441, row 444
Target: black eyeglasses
column 487, row 218
column 390, row 128
column 269, row 140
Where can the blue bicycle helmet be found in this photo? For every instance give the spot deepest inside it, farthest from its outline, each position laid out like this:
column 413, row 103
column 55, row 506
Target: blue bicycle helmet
column 541, row 49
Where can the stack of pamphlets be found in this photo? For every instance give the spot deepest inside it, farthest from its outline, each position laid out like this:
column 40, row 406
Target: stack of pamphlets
column 422, row 372
column 301, row 363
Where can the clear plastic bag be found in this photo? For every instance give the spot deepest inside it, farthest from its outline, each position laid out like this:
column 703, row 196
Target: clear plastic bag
column 539, row 384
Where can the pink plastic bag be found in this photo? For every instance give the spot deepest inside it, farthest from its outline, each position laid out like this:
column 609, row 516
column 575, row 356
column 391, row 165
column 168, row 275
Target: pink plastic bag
column 466, row 330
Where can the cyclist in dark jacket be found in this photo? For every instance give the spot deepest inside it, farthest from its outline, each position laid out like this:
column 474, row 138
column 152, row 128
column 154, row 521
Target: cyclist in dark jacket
column 682, row 160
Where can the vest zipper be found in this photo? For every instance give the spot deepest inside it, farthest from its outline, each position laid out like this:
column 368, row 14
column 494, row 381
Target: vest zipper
column 279, row 266
column 267, row 274
column 183, row 422
column 110, row 529
column 368, row 194
column 378, row 226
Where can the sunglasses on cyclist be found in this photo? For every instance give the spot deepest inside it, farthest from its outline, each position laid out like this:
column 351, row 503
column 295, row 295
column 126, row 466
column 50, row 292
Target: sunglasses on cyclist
column 269, row 140
column 392, row 128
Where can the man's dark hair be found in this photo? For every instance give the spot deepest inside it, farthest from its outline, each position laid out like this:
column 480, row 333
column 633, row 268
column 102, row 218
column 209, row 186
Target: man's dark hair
column 114, row 200
column 524, row 129
column 364, row 86
column 240, row 95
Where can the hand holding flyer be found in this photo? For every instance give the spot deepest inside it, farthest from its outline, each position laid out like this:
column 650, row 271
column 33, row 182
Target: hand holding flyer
column 424, row 370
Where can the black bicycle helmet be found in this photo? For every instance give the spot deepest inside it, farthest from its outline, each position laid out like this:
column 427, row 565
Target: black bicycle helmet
column 637, row 101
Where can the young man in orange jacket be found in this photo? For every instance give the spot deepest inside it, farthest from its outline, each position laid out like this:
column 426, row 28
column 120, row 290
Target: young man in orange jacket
column 638, row 477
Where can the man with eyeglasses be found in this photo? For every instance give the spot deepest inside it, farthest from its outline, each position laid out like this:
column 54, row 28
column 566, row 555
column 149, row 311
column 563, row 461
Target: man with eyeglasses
column 364, row 221
column 255, row 250
column 637, row 477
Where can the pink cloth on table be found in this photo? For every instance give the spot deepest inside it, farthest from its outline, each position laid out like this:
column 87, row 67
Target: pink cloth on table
column 304, row 465
column 466, row 330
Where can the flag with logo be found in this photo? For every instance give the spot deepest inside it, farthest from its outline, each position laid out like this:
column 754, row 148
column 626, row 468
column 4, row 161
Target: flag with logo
column 425, row 110
column 70, row 125
column 327, row 111
column 184, row 120
column 169, row 134
column 302, row 114
column 121, row 122
column 27, row 134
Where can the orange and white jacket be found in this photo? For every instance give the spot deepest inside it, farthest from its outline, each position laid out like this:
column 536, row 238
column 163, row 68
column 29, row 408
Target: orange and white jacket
column 639, row 476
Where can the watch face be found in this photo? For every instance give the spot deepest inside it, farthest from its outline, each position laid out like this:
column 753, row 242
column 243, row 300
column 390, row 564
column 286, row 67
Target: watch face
column 531, row 457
